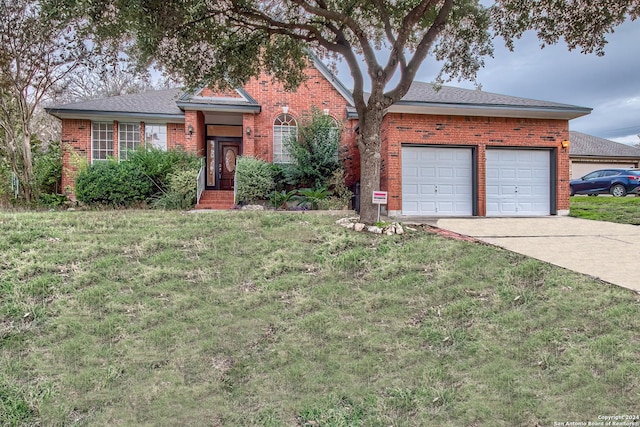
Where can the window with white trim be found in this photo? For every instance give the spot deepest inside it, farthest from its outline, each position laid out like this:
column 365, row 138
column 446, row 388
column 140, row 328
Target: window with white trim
column 128, row 139
column 101, row 141
column 156, row 136
column 284, row 126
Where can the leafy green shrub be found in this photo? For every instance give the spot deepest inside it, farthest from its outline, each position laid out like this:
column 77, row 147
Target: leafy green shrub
column 182, row 190
column 312, row 197
column 157, row 165
column 114, row 184
column 168, row 177
column 314, row 151
column 341, row 197
column 279, row 199
column 254, row 179
column 47, row 167
column 52, row 200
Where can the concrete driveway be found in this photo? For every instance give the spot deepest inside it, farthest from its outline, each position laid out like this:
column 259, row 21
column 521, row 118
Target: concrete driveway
column 604, row 250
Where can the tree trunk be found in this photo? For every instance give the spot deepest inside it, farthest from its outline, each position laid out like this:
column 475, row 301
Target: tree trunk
column 369, row 143
column 27, row 180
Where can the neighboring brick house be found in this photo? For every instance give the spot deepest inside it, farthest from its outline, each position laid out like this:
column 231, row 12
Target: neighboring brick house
column 589, row 153
column 451, row 152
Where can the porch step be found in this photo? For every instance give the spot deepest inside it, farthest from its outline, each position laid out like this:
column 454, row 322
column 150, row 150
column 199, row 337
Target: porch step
column 216, row 200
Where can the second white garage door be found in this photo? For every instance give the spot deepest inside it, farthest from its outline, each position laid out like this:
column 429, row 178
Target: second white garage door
column 518, row 182
column 437, row 181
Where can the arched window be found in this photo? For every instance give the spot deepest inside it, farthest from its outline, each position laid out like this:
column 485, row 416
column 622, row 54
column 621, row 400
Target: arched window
column 284, row 126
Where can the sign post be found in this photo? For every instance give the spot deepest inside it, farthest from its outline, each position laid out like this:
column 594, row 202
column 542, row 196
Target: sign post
column 379, row 198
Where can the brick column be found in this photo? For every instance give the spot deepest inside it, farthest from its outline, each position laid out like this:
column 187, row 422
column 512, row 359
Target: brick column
column 482, row 179
column 248, row 139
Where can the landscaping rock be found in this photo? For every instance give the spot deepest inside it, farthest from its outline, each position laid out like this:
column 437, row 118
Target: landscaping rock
column 346, row 221
column 373, row 229
column 253, row 208
column 353, row 224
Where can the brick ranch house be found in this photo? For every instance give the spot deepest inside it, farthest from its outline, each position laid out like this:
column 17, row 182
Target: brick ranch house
column 452, row 152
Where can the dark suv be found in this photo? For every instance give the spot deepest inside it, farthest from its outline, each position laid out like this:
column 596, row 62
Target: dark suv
column 618, row 182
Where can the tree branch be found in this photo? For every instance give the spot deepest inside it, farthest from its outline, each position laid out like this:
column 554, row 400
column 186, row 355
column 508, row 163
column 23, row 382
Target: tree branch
column 408, row 72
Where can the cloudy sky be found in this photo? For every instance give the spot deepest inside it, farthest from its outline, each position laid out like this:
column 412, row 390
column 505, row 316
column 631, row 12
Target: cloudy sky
column 609, row 84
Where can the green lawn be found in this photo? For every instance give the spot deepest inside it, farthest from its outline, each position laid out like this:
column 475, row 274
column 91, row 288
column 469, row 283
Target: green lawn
column 274, row 319
column 625, row 210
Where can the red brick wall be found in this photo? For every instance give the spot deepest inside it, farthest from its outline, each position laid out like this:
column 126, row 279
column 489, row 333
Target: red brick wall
column 176, row 135
column 76, row 147
column 480, row 132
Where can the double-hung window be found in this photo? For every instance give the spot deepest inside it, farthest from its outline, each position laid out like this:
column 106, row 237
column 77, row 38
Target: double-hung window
column 101, row 141
column 156, row 136
column 128, row 139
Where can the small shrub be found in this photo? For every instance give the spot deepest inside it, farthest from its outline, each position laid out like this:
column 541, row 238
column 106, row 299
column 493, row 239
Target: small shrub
column 313, row 196
column 342, row 196
column 158, row 165
column 181, row 193
column 254, row 179
column 47, row 166
column 113, row 184
column 279, row 199
column 52, row 200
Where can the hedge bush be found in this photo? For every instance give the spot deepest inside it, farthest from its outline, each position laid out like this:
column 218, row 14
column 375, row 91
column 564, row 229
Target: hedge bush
column 113, row 184
column 254, row 179
column 166, row 178
column 158, row 165
column 182, row 190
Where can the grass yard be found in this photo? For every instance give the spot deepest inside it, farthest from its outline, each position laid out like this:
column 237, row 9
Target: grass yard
column 271, row 319
column 625, row 210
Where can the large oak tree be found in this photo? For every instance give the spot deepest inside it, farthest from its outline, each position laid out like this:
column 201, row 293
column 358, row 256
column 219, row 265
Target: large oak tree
column 226, row 42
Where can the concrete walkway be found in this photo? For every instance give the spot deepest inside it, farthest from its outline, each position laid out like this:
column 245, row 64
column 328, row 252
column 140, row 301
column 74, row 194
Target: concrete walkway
column 608, row 251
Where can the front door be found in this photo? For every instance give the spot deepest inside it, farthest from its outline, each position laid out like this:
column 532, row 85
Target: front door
column 221, row 162
column 228, row 151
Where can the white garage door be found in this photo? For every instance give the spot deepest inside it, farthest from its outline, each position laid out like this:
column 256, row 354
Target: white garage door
column 578, row 169
column 518, row 182
column 437, row 181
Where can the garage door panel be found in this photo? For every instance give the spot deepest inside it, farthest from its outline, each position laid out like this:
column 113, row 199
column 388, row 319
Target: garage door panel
column 444, row 181
column 428, row 172
column 446, row 172
column 507, row 174
column 411, row 172
column 518, row 182
column 411, row 189
column 427, row 207
column 464, row 190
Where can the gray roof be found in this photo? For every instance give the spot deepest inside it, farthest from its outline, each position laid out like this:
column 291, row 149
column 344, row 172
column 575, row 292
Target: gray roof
column 422, row 98
column 427, row 98
column 588, row 145
column 156, row 102
column 428, row 92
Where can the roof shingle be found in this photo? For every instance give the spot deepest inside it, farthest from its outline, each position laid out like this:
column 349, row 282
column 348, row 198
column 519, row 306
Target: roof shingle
column 150, row 102
column 589, row 145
